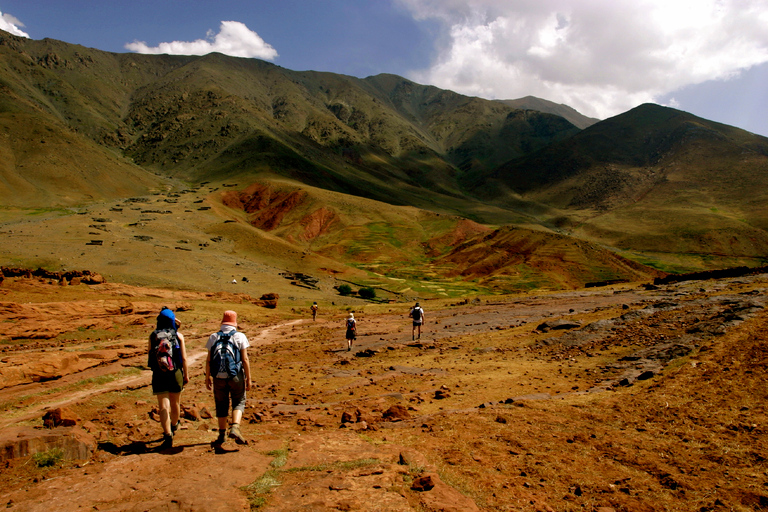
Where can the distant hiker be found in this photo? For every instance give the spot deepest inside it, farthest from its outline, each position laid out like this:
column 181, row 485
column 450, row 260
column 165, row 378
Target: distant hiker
column 351, row 325
column 228, row 373
column 313, row 308
column 168, row 362
column 417, row 314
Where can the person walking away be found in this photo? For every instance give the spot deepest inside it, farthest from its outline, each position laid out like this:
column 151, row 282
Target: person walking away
column 351, row 325
column 228, row 373
column 168, row 362
column 313, row 307
column 417, row 314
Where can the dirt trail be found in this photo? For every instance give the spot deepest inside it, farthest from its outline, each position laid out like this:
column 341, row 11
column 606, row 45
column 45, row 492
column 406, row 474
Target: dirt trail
column 196, row 360
column 461, row 419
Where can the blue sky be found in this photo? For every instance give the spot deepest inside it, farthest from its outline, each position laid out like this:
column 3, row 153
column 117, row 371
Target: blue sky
column 602, row 57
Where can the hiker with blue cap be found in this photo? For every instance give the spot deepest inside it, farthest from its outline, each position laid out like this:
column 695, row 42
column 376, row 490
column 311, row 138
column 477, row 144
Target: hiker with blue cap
column 168, row 362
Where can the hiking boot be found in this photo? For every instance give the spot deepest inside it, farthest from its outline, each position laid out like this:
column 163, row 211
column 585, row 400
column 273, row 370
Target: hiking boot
column 234, row 433
column 167, row 442
column 175, row 427
column 222, row 437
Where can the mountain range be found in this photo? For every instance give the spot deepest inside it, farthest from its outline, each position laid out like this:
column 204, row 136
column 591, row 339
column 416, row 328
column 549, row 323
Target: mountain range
column 338, row 167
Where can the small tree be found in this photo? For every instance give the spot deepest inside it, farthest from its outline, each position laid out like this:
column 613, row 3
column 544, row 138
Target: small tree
column 345, row 289
column 367, row 293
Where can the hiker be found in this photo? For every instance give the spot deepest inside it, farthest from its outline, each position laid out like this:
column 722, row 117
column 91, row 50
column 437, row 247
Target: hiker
column 313, row 308
column 417, row 313
column 351, row 330
column 228, row 373
column 168, row 362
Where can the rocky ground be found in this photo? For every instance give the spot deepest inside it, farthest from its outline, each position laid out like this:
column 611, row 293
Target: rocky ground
column 631, row 398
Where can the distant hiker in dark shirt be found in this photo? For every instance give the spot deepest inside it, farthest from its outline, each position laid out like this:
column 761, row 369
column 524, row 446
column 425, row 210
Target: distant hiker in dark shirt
column 417, row 314
column 351, row 325
column 168, row 361
column 228, row 373
column 313, row 308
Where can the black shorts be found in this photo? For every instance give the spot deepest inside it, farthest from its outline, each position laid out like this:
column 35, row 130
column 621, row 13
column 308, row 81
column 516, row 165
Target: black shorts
column 167, row 382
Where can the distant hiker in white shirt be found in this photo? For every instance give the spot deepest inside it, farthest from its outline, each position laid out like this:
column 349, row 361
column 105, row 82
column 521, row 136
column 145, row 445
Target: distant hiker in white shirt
column 351, row 325
column 417, row 314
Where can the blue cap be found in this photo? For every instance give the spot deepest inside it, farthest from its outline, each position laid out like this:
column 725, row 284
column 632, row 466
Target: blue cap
column 166, row 319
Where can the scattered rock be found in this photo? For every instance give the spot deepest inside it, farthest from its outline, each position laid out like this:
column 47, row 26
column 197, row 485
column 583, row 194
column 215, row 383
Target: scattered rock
column 425, row 482
column 396, row 413
column 440, row 394
column 191, row 413
column 60, row 417
column 559, row 324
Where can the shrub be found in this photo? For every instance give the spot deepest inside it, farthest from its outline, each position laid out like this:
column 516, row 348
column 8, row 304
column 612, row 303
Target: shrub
column 52, row 457
column 367, row 293
column 345, row 289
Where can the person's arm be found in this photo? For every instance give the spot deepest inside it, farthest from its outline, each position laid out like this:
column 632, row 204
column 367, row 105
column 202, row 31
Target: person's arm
column 184, row 366
column 149, row 352
column 208, row 381
column 246, row 367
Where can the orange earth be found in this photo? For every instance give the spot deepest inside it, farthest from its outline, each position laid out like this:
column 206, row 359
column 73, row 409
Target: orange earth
column 630, row 398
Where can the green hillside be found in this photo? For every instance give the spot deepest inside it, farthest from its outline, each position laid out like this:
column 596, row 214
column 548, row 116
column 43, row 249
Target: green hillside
column 652, row 180
column 380, row 176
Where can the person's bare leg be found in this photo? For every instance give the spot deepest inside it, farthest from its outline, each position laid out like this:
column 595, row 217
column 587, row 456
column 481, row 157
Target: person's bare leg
column 175, row 409
column 163, row 405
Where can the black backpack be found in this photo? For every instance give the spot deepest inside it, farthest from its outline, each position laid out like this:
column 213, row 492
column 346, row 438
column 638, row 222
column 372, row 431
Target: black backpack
column 225, row 357
column 416, row 314
column 165, row 351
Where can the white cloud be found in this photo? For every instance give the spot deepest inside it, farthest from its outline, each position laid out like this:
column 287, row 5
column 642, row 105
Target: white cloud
column 601, row 57
column 234, row 39
column 11, row 25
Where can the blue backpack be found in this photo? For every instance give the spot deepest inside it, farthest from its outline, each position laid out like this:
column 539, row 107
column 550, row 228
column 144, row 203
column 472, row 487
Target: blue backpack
column 225, row 357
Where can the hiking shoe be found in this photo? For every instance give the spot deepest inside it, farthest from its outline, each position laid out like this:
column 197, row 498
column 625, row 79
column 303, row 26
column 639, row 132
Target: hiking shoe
column 167, row 442
column 175, row 427
column 222, row 437
column 234, row 433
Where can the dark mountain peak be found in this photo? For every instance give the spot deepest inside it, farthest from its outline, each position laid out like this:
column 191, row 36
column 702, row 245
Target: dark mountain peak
column 533, row 103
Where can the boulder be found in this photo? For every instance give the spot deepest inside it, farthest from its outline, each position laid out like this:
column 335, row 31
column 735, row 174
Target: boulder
column 60, row 417
column 74, row 442
column 396, row 413
column 559, row 324
column 437, row 496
